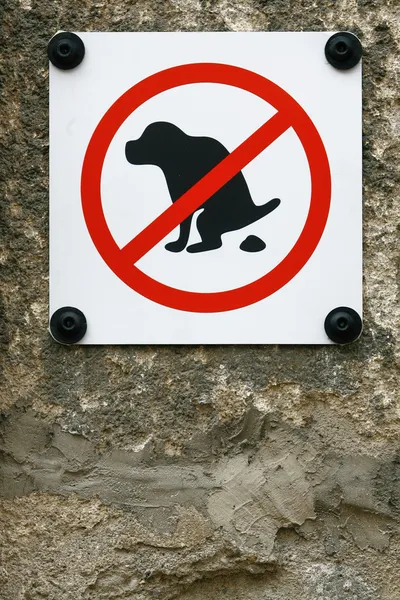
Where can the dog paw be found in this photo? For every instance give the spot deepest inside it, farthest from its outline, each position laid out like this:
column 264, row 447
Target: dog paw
column 203, row 247
column 174, row 246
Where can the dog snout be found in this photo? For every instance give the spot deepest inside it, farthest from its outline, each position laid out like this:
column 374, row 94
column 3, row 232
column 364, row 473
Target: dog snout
column 130, row 152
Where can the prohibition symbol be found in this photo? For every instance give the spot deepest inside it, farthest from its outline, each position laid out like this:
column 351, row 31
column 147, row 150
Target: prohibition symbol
column 289, row 115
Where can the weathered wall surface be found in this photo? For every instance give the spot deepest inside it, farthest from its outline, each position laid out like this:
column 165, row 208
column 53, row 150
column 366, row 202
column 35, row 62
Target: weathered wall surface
column 232, row 472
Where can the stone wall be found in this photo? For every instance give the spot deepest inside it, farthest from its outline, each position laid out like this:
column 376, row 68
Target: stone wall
column 261, row 473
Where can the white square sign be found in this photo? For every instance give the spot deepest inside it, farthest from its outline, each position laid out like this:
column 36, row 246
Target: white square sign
column 205, row 188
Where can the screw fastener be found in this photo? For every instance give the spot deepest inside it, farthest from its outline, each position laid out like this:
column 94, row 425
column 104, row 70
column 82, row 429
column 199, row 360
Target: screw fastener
column 343, row 325
column 68, row 325
column 66, row 50
column 343, row 50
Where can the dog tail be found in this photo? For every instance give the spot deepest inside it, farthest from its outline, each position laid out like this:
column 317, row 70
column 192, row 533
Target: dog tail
column 265, row 209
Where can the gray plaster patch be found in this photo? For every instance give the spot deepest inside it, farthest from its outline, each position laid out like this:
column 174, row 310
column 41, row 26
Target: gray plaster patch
column 257, row 499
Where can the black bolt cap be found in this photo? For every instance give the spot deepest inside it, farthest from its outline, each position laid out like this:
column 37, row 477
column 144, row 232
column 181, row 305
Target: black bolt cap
column 66, row 50
column 343, row 50
column 343, row 325
column 68, row 325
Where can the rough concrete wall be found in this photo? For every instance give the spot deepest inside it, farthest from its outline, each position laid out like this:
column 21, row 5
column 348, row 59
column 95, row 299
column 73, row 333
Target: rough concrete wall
column 232, row 472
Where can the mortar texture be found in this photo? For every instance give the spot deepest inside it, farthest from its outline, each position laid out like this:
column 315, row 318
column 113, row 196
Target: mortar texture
column 251, row 473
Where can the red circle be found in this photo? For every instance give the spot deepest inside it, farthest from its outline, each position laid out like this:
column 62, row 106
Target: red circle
column 152, row 289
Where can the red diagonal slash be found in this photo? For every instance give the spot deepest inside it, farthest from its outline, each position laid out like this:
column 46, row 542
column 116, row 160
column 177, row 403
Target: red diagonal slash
column 206, row 187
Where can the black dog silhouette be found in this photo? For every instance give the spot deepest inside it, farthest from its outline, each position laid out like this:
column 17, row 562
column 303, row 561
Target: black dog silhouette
column 184, row 160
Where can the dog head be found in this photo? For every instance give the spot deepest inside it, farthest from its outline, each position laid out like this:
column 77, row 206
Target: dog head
column 155, row 145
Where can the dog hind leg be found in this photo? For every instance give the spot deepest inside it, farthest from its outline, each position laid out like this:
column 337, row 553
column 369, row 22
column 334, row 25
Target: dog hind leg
column 210, row 236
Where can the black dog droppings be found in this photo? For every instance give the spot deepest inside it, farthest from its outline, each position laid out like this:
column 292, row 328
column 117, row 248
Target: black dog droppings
column 184, row 160
column 252, row 244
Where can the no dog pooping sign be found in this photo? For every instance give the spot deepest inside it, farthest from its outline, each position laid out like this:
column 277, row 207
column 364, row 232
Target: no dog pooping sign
column 211, row 200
